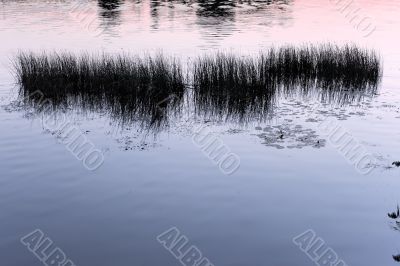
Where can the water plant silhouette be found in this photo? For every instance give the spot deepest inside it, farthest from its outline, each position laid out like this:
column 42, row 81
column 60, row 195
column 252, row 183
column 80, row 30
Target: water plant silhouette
column 246, row 85
column 127, row 87
column 222, row 85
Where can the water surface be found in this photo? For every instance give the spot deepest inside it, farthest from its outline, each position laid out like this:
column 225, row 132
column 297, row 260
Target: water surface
column 151, row 181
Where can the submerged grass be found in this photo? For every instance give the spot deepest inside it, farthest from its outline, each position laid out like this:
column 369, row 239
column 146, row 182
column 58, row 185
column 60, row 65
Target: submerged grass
column 147, row 88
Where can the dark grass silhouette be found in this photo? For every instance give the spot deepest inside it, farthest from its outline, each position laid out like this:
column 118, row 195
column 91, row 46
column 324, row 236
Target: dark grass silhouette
column 149, row 89
column 225, row 84
column 241, row 86
column 132, row 88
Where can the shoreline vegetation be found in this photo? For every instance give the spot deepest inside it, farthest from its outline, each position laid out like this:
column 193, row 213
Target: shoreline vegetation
column 150, row 88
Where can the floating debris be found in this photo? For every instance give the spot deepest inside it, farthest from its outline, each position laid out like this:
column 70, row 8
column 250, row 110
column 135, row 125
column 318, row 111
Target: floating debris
column 396, row 163
column 395, row 215
column 290, row 136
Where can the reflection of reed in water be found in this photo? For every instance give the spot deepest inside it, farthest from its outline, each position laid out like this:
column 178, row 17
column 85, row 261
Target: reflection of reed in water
column 109, row 13
column 217, row 19
column 243, row 88
column 110, row 9
column 217, row 8
column 149, row 90
column 128, row 88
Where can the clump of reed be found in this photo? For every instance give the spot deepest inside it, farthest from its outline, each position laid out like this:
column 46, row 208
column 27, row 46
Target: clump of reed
column 60, row 72
column 151, row 88
column 238, row 86
column 129, row 86
column 228, row 84
column 288, row 64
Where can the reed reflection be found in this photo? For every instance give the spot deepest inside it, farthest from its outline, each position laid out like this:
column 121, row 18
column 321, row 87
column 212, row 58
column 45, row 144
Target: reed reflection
column 110, row 14
column 217, row 19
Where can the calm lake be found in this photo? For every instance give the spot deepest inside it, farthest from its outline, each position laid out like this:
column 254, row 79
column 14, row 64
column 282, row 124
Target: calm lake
column 288, row 163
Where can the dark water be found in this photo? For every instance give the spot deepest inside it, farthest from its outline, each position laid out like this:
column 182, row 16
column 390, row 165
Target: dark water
column 291, row 175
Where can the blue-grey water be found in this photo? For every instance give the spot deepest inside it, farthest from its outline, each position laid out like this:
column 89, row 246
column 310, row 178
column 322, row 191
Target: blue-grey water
column 150, row 182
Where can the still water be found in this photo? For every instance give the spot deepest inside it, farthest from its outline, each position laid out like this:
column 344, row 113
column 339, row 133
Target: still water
column 291, row 178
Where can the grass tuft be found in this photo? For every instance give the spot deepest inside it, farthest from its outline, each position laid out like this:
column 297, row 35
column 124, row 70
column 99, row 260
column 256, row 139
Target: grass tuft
column 225, row 85
column 126, row 86
column 241, row 86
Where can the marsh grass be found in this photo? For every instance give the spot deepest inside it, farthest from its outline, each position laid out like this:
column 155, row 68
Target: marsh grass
column 130, row 87
column 239, row 87
column 151, row 88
